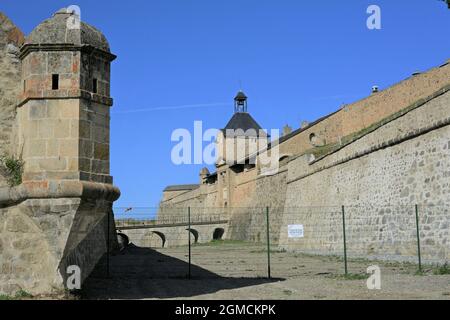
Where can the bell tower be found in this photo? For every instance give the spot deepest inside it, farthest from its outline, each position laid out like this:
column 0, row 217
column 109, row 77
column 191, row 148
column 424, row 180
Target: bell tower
column 241, row 137
column 240, row 102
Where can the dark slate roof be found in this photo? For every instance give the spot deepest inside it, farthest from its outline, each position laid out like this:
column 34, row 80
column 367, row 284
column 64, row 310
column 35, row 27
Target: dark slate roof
column 240, row 96
column 244, row 121
column 55, row 31
column 182, row 187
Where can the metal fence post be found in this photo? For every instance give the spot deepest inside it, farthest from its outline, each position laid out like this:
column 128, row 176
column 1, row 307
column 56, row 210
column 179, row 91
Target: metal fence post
column 345, row 240
column 268, row 243
column 189, row 239
column 418, row 238
column 108, row 231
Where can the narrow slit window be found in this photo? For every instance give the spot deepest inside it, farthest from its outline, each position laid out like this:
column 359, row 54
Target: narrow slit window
column 55, row 82
column 24, row 85
column 94, row 86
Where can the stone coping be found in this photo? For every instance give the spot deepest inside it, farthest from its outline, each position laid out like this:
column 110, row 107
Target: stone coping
column 65, row 94
column 383, row 145
column 58, row 189
column 419, row 103
column 32, row 47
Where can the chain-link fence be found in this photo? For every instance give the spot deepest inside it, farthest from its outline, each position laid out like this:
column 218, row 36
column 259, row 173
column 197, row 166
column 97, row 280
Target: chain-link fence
column 275, row 242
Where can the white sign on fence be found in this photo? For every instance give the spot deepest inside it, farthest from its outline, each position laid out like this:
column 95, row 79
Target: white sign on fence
column 295, row 231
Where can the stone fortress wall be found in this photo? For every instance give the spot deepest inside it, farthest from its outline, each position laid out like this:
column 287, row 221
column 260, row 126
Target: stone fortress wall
column 11, row 38
column 388, row 150
column 54, row 116
column 378, row 178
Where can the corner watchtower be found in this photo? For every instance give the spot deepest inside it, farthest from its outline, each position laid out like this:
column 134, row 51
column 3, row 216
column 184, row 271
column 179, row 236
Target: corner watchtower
column 63, row 115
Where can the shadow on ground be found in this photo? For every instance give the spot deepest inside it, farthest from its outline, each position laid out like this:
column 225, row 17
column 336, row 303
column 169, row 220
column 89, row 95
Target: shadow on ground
column 143, row 273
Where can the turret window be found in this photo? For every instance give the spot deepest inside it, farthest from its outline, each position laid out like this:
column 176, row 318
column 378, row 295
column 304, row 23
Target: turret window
column 94, row 85
column 55, row 81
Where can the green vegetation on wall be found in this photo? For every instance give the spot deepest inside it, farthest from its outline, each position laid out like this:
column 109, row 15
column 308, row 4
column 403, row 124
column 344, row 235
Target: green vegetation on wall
column 12, row 168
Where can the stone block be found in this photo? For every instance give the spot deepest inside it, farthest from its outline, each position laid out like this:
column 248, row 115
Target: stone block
column 73, row 164
column 37, row 110
column 52, row 147
column 86, row 149
column 59, row 62
column 69, row 148
column 53, row 164
column 101, row 167
column 37, row 63
column 46, row 130
column 36, row 148
column 30, row 128
column 100, row 134
column 61, row 175
column 85, row 164
column 62, row 129
column 84, row 129
column 101, row 151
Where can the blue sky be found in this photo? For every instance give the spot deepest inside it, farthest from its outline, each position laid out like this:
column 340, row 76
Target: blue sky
column 296, row 60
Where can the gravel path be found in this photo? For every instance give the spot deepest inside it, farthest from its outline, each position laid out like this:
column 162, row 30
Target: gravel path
column 236, row 271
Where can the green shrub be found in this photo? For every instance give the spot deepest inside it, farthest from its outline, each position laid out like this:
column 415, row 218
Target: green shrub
column 12, row 167
column 22, row 294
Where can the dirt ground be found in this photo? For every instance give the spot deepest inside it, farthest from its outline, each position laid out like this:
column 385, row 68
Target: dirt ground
column 239, row 271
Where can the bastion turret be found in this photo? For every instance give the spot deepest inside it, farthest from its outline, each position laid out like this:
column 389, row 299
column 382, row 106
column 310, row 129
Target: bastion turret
column 60, row 215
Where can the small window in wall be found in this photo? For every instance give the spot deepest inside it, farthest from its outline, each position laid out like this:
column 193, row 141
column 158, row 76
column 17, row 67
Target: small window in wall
column 55, row 81
column 24, row 85
column 94, row 85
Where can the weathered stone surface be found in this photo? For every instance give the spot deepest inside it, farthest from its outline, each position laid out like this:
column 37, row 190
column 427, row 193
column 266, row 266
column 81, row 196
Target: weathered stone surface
column 10, row 40
column 54, row 30
column 44, row 236
column 379, row 190
column 53, row 219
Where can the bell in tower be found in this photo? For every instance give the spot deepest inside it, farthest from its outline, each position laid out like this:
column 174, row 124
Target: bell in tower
column 240, row 102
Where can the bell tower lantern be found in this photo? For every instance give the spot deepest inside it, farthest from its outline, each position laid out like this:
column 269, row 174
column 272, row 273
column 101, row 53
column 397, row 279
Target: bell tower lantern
column 240, row 102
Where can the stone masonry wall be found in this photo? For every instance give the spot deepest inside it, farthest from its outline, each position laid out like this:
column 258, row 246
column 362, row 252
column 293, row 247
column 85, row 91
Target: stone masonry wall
column 10, row 67
column 39, row 238
column 248, row 217
column 378, row 178
column 173, row 236
column 61, row 213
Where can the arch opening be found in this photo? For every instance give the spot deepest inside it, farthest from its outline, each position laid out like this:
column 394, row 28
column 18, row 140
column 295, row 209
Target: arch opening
column 194, row 233
column 162, row 236
column 284, row 159
column 218, row 233
column 316, row 141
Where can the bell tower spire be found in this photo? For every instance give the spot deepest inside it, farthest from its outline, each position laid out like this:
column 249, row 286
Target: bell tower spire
column 240, row 102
